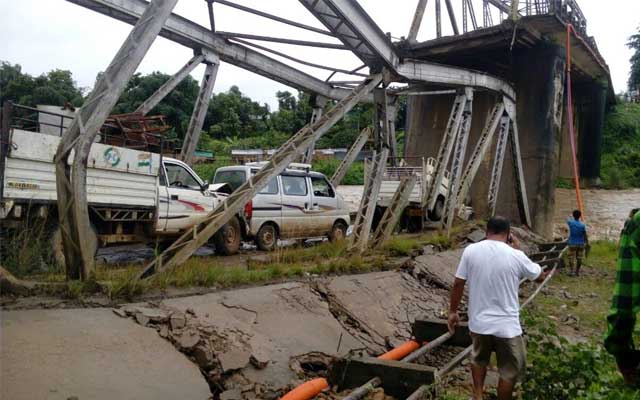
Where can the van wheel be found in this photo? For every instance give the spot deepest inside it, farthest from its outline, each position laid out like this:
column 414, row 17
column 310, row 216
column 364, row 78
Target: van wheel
column 227, row 239
column 267, row 237
column 338, row 232
column 438, row 210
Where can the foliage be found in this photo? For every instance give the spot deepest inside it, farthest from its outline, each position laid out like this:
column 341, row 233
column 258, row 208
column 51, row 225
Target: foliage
column 621, row 147
column 558, row 369
column 354, row 176
column 26, row 250
column 634, row 74
column 55, row 87
column 233, row 114
column 176, row 106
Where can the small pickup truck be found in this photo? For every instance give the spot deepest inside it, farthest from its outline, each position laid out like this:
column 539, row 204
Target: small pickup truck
column 417, row 210
column 134, row 195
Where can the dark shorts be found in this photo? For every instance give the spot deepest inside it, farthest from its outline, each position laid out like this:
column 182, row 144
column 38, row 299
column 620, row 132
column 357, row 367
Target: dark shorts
column 510, row 353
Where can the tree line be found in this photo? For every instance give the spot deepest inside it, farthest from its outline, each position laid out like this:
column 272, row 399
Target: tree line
column 233, row 119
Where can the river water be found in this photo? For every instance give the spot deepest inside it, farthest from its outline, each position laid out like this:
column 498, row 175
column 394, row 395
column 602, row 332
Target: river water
column 605, row 210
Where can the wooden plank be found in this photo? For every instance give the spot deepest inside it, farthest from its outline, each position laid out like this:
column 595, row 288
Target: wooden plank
column 399, row 379
column 426, row 330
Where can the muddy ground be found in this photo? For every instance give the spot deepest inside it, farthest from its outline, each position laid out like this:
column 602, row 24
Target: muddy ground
column 249, row 343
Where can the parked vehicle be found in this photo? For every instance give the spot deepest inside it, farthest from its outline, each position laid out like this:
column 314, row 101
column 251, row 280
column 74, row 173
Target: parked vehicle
column 133, row 195
column 297, row 204
column 417, row 211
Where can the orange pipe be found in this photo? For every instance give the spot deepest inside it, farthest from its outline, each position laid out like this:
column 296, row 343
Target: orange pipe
column 310, row 389
column 401, row 351
column 307, row 390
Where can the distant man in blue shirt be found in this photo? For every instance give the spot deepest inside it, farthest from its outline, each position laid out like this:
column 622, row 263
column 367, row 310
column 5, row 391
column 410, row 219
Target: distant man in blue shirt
column 577, row 241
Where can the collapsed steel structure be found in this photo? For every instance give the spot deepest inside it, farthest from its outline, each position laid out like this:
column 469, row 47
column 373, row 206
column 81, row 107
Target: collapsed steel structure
column 344, row 20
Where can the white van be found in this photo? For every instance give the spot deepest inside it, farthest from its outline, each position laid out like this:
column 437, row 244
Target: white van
column 297, row 204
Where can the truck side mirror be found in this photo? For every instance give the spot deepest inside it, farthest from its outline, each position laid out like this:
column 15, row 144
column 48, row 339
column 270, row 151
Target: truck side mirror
column 204, row 186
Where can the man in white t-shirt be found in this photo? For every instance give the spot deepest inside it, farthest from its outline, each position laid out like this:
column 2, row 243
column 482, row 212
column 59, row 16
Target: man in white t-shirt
column 494, row 268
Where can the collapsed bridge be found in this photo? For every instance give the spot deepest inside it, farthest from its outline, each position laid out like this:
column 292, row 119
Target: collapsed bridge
column 473, row 100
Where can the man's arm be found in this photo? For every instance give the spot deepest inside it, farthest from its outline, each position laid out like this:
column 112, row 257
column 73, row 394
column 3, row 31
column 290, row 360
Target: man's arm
column 456, row 296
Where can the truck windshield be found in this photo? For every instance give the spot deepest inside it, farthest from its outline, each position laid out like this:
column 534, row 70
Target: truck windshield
column 233, row 178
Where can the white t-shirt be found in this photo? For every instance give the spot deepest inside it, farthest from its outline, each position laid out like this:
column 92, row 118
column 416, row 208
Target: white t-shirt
column 493, row 271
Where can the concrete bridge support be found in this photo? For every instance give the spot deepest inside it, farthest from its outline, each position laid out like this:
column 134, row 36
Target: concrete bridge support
column 539, row 74
column 591, row 122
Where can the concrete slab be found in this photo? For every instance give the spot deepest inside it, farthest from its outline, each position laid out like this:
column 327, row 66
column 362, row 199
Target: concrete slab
column 384, row 304
column 440, row 267
column 90, row 354
column 274, row 323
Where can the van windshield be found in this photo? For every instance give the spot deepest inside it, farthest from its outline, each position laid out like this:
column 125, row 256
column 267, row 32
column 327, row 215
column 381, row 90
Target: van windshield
column 233, row 178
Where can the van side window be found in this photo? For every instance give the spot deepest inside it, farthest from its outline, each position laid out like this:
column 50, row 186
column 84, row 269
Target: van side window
column 179, row 177
column 294, row 185
column 271, row 188
column 321, row 188
column 233, row 178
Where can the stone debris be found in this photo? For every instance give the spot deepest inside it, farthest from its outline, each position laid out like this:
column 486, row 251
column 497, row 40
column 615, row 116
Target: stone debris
column 204, row 357
column 234, row 359
column 177, row 321
column 142, row 319
column 119, row 312
column 258, row 359
column 232, row 394
column 476, row 236
column 188, row 340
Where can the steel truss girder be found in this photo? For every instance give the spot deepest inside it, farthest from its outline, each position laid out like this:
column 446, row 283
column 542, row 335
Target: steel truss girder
column 457, row 163
column 384, row 130
column 521, row 188
column 364, row 218
column 350, row 157
column 498, row 162
column 192, row 35
column 169, row 85
column 393, row 213
column 192, row 136
column 73, row 212
column 417, row 20
column 318, row 107
column 446, row 146
column 480, row 151
column 199, row 234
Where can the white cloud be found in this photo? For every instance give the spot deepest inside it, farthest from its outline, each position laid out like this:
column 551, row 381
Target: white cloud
column 42, row 35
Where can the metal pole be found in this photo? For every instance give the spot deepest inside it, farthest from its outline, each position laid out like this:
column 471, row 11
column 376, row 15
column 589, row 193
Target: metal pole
column 350, row 157
column 199, row 234
column 73, row 212
column 192, row 136
column 438, row 19
column 417, row 20
column 452, row 17
column 169, row 85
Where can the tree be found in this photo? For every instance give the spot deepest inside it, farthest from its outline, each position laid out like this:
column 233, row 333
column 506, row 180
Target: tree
column 54, row 88
column 232, row 114
column 634, row 75
column 177, row 106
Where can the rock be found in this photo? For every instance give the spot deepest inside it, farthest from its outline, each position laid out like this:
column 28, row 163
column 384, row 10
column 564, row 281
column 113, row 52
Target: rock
column 567, row 295
column 9, row 284
column 234, row 359
column 119, row 312
column 259, row 360
column 177, row 321
column 260, row 259
column 188, row 340
column 233, row 394
column 190, row 311
column 142, row 319
column 428, row 250
column 164, row 331
column 476, row 236
column 155, row 315
column 204, row 356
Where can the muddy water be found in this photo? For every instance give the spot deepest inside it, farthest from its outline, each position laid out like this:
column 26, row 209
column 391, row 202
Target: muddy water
column 605, row 210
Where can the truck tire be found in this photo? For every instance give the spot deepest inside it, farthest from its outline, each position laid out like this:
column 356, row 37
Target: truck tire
column 267, row 237
column 438, row 210
column 227, row 239
column 338, row 232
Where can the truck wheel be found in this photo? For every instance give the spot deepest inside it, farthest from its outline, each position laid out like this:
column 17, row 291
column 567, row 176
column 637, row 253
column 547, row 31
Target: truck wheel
column 227, row 239
column 267, row 237
column 438, row 210
column 338, row 232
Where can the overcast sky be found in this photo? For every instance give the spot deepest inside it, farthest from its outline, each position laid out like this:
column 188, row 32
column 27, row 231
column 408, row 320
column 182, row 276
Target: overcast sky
column 41, row 35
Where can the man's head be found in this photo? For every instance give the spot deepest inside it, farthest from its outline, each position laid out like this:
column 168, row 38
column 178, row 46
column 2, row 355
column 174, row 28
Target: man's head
column 577, row 214
column 498, row 228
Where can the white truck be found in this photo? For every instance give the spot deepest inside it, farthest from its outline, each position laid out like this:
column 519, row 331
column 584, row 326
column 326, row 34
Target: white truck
column 417, row 209
column 133, row 195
